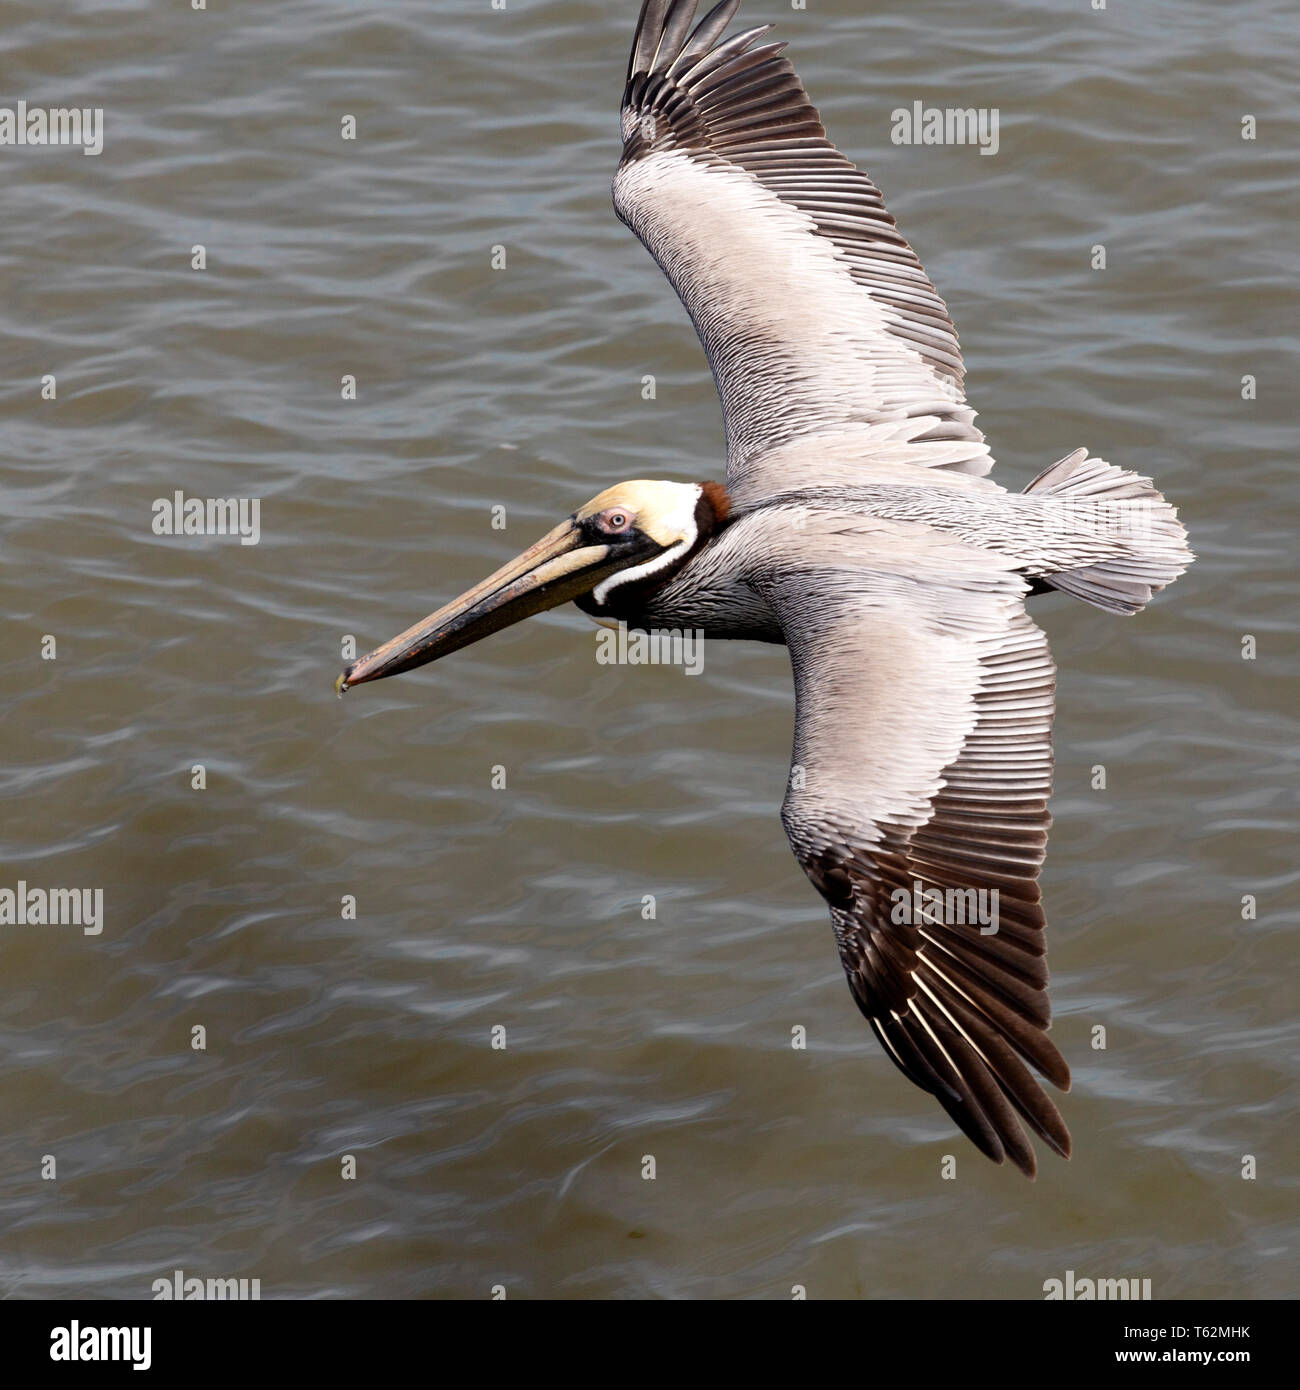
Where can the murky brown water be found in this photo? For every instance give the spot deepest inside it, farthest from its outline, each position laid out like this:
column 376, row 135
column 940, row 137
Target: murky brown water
column 521, row 907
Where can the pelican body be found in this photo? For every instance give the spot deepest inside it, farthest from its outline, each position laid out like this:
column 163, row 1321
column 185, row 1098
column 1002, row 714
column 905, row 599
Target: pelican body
column 858, row 526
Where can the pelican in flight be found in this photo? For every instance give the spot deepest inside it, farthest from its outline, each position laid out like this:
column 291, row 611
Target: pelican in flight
column 857, row 526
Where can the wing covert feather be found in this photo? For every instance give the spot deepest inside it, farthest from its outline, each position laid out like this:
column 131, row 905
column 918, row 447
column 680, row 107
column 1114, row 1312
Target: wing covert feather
column 918, row 808
column 815, row 314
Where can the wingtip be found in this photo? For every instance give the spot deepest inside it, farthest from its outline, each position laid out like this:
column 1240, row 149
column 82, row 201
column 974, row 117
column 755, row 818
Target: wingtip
column 664, row 39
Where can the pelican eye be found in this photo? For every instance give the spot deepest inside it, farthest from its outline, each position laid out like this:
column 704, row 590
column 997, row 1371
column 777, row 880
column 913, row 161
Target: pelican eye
column 615, row 522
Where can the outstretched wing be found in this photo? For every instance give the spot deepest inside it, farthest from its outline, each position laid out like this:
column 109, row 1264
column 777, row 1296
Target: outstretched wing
column 817, row 317
column 918, row 808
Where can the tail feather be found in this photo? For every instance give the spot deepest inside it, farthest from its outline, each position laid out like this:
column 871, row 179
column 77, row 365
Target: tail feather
column 1150, row 543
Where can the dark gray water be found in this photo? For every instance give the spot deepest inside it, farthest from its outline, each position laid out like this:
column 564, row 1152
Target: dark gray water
column 521, row 907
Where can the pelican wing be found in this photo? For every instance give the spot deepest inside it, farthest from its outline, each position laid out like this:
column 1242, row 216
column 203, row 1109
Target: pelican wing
column 818, row 320
column 918, row 802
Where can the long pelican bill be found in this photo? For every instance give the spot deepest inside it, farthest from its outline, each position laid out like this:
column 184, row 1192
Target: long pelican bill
column 561, row 566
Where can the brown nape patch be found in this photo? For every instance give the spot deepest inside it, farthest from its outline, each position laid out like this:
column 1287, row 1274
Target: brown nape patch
column 719, row 503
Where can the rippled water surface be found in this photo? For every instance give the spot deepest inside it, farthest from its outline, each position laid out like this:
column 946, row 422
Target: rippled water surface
column 481, row 907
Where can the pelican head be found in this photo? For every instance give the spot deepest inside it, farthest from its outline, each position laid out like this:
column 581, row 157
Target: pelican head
column 630, row 533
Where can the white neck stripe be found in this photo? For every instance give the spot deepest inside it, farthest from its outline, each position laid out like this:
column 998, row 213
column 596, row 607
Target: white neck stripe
column 601, row 591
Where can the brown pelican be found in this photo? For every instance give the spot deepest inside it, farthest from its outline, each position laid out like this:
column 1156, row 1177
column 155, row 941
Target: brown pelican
column 857, row 526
